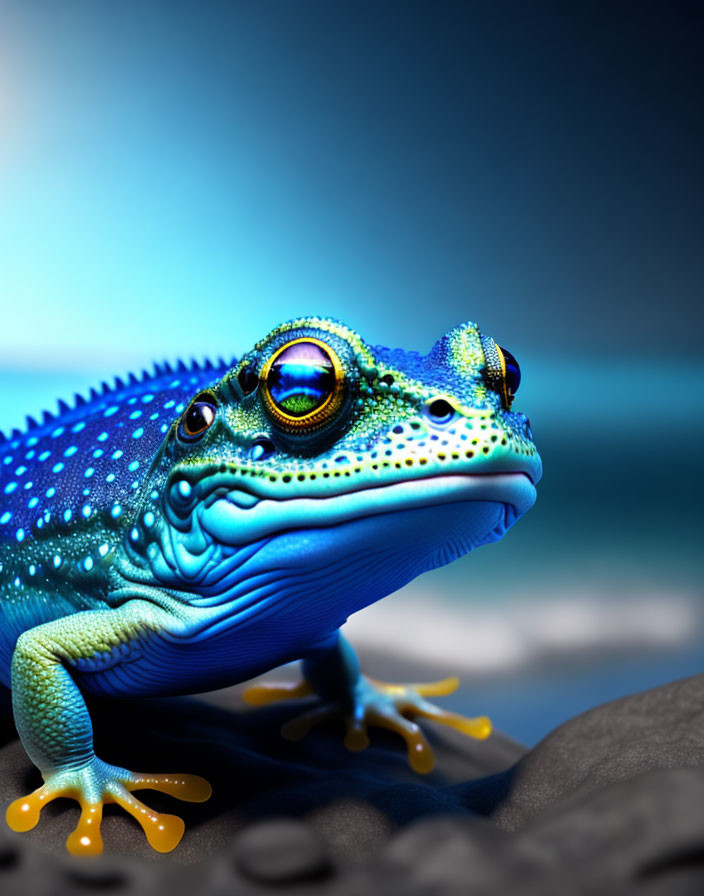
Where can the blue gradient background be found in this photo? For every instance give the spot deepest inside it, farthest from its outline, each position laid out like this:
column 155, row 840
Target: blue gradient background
column 176, row 178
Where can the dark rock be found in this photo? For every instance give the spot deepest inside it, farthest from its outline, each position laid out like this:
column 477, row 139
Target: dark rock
column 10, row 850
column 611, row 802
column 91, row 879
column 353, row 829
column 443, row 855
column 657, row 729
column 281, row 851
column 634, row 831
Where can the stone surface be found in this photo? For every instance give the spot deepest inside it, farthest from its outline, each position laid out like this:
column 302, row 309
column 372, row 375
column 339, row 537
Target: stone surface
column 610, row 802
column 281, row 851
column 630, row 831
column 657, row 729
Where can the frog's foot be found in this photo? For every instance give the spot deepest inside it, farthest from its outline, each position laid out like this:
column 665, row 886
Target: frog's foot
column 272, row 692
column 98, row 783
column 392, row 706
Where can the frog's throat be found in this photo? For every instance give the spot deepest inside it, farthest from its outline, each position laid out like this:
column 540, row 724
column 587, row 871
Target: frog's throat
column 230, row 522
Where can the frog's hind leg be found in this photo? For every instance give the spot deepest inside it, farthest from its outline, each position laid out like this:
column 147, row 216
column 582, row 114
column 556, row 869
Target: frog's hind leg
column 333, row 674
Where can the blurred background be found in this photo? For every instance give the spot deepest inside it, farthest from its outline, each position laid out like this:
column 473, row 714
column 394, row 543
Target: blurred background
column 177, row 178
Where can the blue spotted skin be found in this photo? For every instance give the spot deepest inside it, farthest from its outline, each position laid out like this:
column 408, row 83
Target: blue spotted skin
column 141, row 556
column 80, row 471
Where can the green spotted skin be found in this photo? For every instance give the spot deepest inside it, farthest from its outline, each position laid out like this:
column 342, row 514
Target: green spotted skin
column 193, row 527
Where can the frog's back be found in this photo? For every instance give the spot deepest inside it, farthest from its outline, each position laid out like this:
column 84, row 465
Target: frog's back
column 68, row 486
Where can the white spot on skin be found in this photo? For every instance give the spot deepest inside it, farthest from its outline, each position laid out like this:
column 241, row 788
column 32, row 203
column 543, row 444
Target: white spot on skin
column 88, row 564
column 133, row 466
column 67, row 515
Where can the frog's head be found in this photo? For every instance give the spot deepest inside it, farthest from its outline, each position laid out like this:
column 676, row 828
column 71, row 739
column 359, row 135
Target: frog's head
column 318, row 446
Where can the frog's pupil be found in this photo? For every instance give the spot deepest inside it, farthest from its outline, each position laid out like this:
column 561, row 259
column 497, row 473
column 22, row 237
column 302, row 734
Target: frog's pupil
column 513, row 371
column 248, row 380
column 301, row 378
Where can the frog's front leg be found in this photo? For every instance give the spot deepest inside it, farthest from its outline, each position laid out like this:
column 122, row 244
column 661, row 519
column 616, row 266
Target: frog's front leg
column 333, row 673
column 56, row 731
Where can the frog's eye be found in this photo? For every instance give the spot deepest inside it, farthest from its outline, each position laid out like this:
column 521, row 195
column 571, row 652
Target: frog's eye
column 303, row 384
column 198, row 417
column 512, row 373
column 501, row 372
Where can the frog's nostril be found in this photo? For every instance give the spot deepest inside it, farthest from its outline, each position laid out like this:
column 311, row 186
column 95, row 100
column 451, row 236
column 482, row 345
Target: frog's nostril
column 262, row 448
column 440, row 411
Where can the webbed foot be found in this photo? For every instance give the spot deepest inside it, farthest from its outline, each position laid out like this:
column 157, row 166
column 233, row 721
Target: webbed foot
column 98, row 783
column 392, row 706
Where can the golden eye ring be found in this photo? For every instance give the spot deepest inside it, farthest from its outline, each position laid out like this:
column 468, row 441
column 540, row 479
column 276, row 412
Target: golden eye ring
column 303, row 385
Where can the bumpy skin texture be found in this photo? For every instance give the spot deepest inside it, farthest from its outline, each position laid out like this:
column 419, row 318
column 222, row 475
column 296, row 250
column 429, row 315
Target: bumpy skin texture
column 197, row 526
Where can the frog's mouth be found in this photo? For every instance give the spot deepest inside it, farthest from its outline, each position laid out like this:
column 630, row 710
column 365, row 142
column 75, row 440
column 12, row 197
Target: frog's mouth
column 232, row 516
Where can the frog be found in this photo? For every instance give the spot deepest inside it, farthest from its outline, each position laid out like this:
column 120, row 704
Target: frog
column 200, row 524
